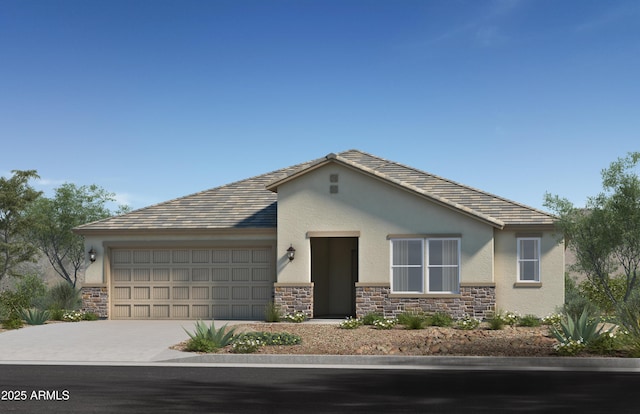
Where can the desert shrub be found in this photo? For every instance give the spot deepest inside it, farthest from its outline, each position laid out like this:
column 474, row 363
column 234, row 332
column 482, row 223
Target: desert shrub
column 28, row 292
column 575, row 299
column 441, row 319
column 496, row 321
column 272, row 312
column 34, row 316
column 607, row 343
column 467, row 323
column 12, row 323
column 90, row 316
column 56, row 314
column 350, row 323
column 199, row 344
column 412, row 319
column 207, row 338
column 628, row 318
column 530, row 321
column 63, row 296
column 371, row 317
column 593, row 295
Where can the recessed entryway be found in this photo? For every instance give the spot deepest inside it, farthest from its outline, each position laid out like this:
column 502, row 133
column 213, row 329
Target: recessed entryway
column 334, row 273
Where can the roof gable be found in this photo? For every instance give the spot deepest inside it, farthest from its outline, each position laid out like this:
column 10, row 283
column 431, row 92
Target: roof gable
column 481, row 205
column 252, row 203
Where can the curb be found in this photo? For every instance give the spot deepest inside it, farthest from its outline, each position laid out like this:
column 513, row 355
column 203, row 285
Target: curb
column 419, row 362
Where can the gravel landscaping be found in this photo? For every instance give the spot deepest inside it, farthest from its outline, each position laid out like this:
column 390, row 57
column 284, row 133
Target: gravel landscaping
column 328, row 339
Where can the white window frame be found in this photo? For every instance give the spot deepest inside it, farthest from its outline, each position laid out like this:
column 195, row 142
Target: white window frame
column 425, row 265
column 407, row 266
column 429, row 265
column 538, row 260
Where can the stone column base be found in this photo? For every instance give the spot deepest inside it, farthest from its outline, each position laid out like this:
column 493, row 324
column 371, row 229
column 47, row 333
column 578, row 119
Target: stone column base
column 95, row 299
column 292, row 298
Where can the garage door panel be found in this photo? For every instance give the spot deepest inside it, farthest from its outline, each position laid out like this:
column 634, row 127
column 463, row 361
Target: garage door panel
column 162, row 256
column 141, row 275
column 180, row 311
column 142, row 311
column 161, row 311
column 122, row 275
column 200, row 274
column 142, row 256
column 161, row 292
column 200, row 311
column 122, row 311
column 241, row 312
column 200, row 293
column 220, row 275
column 161, row 275
column 180, row 275
column 200, row 256
column 181, row 293
column 201, row 283
column 141, row 293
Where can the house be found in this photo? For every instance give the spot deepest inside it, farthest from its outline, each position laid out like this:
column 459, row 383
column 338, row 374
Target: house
column 346, row 234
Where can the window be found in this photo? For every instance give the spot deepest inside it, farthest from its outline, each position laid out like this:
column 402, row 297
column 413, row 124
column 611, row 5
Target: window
column 419, row 265
column 529, row 260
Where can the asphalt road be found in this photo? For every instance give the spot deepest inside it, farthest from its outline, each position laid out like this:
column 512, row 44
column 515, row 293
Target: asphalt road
column 205, row 389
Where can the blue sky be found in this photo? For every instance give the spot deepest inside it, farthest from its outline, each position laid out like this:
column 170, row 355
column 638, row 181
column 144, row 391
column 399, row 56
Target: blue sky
column 157, row 99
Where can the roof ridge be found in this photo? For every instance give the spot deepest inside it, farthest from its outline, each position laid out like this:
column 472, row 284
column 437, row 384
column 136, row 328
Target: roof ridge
column 477, row 190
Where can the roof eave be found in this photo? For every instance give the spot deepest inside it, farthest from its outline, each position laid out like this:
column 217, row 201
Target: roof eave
column 175, row 231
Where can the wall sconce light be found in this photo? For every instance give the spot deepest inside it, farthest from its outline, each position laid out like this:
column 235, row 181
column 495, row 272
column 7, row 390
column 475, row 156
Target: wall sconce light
column 291, row 253
column 92, row 255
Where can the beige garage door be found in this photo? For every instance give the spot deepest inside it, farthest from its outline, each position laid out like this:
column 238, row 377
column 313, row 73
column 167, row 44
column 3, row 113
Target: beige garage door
column 202, row 283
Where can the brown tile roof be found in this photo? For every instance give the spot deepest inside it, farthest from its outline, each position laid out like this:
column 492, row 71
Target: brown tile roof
column 249, row 204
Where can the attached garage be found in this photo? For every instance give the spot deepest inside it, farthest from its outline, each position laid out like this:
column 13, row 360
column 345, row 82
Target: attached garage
column 191, row 283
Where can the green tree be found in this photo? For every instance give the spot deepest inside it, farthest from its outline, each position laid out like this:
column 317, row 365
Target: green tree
column 605, row 235
column 54, row 218
column 16, row 195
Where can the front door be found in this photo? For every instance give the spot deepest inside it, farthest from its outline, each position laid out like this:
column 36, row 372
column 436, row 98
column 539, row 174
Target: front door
column 334, row 272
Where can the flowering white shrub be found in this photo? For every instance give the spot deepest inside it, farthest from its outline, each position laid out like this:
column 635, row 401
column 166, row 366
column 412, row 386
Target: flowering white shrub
column 385, row 323
column 511, row 318
column 570, row 347
column 467, row 323
column 73, row 316
column 552, row 319
column 295, row 317
column 350, row 323
column 245, row 345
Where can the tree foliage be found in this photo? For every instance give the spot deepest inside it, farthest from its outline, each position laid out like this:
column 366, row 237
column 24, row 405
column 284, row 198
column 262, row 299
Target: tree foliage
column 16, row 196
column 53, row 221
column 605, row 235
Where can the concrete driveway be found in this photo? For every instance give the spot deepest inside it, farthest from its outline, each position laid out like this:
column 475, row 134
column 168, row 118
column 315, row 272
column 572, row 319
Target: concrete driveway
column 97, row 341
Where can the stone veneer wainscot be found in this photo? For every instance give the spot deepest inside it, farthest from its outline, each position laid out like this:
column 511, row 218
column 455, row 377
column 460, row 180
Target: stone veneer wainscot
column 477, row 301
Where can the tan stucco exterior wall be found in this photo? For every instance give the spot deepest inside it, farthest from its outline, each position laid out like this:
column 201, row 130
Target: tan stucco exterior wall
column 96, row 273
column 538, row 299
column 374, row 210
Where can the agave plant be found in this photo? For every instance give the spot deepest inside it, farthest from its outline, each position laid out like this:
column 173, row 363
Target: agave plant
column 34, row 316
column 208, row 338
column 584, row 328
